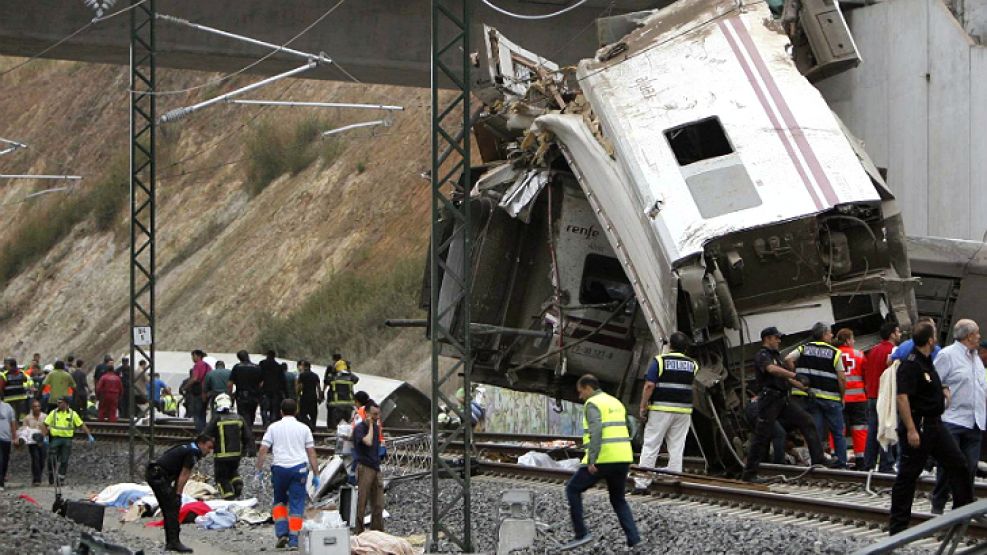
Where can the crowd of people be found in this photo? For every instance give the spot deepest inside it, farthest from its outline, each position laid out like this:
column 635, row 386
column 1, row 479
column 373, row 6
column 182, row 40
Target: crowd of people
column 828, row 391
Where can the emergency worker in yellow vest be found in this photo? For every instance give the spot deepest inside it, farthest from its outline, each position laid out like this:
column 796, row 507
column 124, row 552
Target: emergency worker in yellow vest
column 607, row 442
column 60, row 426
column 666, row 404
column 15, row 385
column 339, row 389
column 234, row 439
column 169, row 405
column 819, row 373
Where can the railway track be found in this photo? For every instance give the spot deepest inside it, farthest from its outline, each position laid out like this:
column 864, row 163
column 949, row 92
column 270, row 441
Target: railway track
column 842, row 501
column 506, row 448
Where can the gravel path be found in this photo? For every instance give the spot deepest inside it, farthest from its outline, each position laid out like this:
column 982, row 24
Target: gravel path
column 668, row 529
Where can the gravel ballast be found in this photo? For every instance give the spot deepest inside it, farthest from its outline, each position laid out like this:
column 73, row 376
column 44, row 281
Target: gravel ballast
column 667, row 528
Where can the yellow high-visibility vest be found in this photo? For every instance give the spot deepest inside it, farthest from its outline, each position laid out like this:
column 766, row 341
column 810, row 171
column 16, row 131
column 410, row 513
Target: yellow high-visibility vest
column 616, row 446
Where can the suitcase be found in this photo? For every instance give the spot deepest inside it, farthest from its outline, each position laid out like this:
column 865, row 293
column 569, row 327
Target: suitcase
column 331, row 541
column 85, row 513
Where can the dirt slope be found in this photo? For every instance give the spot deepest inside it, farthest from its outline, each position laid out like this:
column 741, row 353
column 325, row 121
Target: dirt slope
column 225, row 258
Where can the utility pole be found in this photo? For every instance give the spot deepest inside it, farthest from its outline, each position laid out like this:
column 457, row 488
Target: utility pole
column 450, row 263
column 142, row 222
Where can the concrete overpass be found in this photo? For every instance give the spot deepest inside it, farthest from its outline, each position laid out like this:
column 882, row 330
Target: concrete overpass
column 378, row 41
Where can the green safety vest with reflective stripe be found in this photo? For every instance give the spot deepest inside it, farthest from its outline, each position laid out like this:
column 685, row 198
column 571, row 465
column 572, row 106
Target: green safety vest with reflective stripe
column 616, row 445
column 673, row 390
column 342, row 384
column 15, row 388
column 818, row 361
column 170, row 403
column 62, row 423
column 229, row 443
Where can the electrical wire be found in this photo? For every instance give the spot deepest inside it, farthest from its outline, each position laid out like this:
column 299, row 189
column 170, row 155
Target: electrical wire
column 498, row 9
column 75, row 33
column 253, row 64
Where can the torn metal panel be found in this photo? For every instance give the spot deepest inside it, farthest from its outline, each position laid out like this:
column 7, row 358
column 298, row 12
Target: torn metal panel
column 520, row 197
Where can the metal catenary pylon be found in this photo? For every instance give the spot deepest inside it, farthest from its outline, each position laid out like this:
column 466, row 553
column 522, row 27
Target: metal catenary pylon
column 142, row 221
column 449, row 321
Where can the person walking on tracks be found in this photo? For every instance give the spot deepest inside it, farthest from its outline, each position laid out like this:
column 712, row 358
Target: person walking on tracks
column 608, row 456
column 8, row 433
column 666, row 405
column 774, row 381
column 109, row 390
column 244, row 384
column 962, row 372
column 167, row 477
column 339, row 384
column 294, row 454
column 855, row 398
column 922, row 398
column 819, row 364
column 274, row 387
column 35, row 443
column 309, row 394
column 60, row 425
column 234, row 439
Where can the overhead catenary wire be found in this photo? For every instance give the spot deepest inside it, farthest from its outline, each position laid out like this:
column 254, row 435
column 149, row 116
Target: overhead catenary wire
column 343, row 105
column 566, row 9
column 275, row 50
column 42, row 176
column 179, row 113
column 70, row 36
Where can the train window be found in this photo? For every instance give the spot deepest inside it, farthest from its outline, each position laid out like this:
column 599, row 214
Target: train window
column 699, row 140
column 603, row 281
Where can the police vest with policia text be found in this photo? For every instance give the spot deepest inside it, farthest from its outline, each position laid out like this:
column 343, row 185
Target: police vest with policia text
column 817, row 361
column 673, row 391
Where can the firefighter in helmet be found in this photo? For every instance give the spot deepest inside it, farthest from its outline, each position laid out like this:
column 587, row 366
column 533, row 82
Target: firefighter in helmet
column 234, row 439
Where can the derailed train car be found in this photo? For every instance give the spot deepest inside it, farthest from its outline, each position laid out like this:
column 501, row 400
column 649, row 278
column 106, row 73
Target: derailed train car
column 689, row 177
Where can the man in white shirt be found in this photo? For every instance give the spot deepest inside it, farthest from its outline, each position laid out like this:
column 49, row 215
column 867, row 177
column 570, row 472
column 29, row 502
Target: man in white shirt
column 294, row 453
column 8, row 431
column 965, row 383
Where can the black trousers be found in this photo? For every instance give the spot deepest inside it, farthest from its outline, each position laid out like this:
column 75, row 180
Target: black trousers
column 270, row 408
column 308, row 412
column 775, row 406
column 228, row 477
column 38, row 453
column 935, row 440
column 246, row 406
column 4, row 461
column 337, row 413
column 163, row 487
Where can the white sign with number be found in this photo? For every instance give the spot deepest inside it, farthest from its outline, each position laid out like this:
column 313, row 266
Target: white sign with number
column 142, row 336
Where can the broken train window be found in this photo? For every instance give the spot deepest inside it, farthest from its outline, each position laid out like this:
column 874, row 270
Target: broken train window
column 698, row 140
column 603, row 281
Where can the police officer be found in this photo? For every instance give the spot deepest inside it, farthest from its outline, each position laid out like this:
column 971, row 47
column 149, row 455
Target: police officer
column 774, row 381
column 234, row 439
column 607, row 442
column 60, row 425
column 167, row 476
column 921, row 400
column 666, row 404
column 15, row 385
column 245, row 382
column 339, row 384
column 819, row 365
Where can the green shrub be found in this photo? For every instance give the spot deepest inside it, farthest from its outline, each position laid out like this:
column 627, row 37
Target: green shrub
column 348, row 312
column 53, row 220
column 275, row 149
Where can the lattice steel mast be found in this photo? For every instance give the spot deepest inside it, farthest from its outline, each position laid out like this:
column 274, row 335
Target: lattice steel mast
column 142, row 220
column 449, row 323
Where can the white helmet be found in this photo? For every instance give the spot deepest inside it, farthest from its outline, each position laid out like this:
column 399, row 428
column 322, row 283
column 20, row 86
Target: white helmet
column 49, row 368
column 223, row 402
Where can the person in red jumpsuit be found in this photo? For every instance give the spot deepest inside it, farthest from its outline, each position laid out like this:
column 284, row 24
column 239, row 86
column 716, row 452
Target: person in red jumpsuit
column 108, row 391
column 855, row 398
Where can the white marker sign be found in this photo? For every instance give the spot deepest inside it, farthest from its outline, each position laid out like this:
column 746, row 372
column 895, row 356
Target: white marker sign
column 142, row 336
